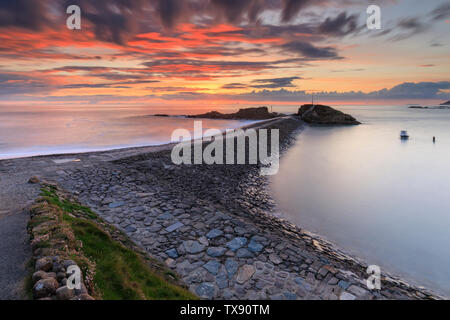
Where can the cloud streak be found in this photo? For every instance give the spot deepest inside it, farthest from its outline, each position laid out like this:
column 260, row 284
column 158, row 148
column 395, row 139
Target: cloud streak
column 307, row 50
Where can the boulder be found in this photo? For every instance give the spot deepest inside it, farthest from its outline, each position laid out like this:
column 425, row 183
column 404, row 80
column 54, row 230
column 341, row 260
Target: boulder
column 64, row 293
column 39, row 275
column 325, row 115
column 45, row 288
column 44, row 264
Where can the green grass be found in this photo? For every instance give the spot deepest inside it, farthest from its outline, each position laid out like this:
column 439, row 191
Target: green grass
column 50, row 195
column 120, row 273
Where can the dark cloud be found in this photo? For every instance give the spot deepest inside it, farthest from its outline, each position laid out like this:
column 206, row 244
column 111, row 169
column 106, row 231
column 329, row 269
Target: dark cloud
column 441, row 12
column 410, row 27
column 170, row 11
column 235, row 85
column 307, row 50
column 411, row 24
column 114, row 20
column 15, row 83
column 275, row 83
column 292, row 8
column 341, row 25
column 78, row 68
column 27, row 14
column 272, row 83
column 235, row 10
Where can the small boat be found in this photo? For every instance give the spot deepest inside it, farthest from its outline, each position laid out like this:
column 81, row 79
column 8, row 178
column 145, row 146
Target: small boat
column 404, row 135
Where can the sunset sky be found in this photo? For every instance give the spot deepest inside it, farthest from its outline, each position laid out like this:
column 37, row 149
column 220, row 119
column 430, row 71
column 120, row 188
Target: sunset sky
column 167, row 52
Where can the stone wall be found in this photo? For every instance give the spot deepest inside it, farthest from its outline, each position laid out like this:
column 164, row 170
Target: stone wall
column 52, row 244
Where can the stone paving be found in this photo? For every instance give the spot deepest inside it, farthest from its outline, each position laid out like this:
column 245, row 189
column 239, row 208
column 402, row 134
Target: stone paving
column 214, row 226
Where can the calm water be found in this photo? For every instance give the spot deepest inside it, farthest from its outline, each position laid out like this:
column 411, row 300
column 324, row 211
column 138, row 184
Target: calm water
column 382, row 199
column 30, row 131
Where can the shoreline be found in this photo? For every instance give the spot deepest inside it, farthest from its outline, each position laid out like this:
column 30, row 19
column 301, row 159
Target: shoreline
column 238, row 207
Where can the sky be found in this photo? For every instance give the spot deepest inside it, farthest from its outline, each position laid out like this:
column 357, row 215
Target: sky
column 230, row 52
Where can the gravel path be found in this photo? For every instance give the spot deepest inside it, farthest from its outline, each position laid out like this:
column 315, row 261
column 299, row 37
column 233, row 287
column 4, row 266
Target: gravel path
column 15, row 195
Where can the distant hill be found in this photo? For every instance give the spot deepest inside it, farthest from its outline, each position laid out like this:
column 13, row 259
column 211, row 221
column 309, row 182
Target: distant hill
column 445, row 103
column 260, row 113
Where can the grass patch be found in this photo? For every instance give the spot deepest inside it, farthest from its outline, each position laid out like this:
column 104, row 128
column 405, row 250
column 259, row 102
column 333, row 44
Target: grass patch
column 49, row 194
column 120, row 272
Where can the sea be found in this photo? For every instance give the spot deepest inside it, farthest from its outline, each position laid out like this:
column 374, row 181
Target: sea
column 32, row 131
column 378, row 197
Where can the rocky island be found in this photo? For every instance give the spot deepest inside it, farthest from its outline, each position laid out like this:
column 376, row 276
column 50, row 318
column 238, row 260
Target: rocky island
column 325, row 115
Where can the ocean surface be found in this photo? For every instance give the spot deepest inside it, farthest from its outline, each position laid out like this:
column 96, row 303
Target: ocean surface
column 377, row 197
column 30, row 131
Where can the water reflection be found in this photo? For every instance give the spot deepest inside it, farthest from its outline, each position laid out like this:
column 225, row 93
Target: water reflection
column 26, row 133
column 380, row 198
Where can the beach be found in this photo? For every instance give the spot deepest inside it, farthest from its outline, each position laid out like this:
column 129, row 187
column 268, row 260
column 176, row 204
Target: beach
column 211, row 224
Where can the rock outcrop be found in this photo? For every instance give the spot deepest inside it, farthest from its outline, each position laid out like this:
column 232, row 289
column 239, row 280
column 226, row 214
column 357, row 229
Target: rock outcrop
column 325, row 115
column 261, row 113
